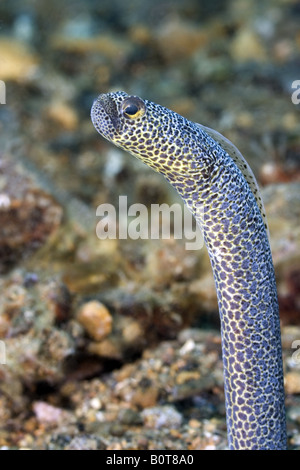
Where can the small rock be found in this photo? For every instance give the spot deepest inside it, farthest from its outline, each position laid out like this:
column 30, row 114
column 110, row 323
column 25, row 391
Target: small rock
column 145, row 397
column 283, row 50
column 245, row 119
column 290, row 334
column 247, row 46
column 188, row 346
column 46, row 413
column 177, row 40
column 187, row 376
column 95, row 403
column 272, row 172
column 140, row 34
column 132, row 332
column 63, row 115
column 194, row 424
column 290, row 121
column 17, row 61
column 95, row 319
column 85, row 442
column 292, row 382
column 294, row 413
column 117, row 429
column 106, row 348
column 162, row 417
column 130, row 417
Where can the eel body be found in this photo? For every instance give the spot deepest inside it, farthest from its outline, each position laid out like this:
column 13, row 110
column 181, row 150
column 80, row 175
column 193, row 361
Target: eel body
column 219, row 188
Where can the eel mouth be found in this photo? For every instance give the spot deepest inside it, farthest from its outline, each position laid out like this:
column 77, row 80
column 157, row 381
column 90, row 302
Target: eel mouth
column 104, row 106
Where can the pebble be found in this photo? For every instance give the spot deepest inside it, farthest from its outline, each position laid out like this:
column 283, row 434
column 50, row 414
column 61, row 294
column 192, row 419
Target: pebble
column 106, row 348
column 95, row 319
column 290, row 121
column 283, row 50
column 247, row 46
column 17, row 61
column 87, row 442
column 177, row 40
column 140, row 34
column 145, row 397
column 294, row 413
column 63, row 115
column 289, row 335
column 272, row 172
column 132, row 332
column 292, row 382
column 130, row 417
column 162, row 417
column 245, row 120
column 187, row 376
column 49, row 414
column 95, row 403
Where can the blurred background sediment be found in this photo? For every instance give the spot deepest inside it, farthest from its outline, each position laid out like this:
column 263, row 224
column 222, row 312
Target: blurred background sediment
column 105, row 340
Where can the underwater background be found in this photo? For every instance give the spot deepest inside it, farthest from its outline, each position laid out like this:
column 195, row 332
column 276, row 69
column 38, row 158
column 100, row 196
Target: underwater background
column 115, row 343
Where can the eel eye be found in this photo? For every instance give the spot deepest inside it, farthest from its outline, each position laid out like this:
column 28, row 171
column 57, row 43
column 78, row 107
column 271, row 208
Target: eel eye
column 133, row 107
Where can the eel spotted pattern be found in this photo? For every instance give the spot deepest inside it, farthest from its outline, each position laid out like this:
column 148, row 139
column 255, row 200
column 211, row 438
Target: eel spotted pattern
column 219, row 188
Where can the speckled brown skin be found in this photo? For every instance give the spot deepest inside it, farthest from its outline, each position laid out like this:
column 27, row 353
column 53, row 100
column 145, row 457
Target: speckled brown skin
column 215, row 189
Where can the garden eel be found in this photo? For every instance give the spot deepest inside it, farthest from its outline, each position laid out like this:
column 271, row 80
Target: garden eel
column 219, row 188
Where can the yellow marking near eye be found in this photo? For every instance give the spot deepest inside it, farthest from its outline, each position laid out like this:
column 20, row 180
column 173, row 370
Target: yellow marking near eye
column 133, row 107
